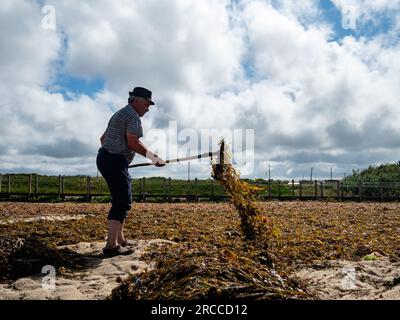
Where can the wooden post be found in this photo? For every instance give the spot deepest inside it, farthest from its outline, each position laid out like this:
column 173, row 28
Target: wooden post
column 188, row 189
column 140, row 189
column 279, row 189
column 63, row 187
column 131, row 199
column 322, row 190
column 165, row 189
column 341, row 191
column 169, row 189
column 269, row 189
column 144, row 189
column 196, row 195
column 338, row 190
column 59, row 186
column 30, row 186
column 381, row 190
column 89, row 187
column 293, row 188
column 37, row 185
column 316, row 189
column 301, row 189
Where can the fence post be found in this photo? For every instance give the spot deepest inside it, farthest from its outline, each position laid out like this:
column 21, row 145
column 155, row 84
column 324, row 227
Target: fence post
column 89, row 186
column 188, row 189
column 63, row 187
column 301, row 189
column 144, row 189
column 322, row 189
column 9, row 184
column 59, row 186
column 169, row 189
column 37, row 185
column 293, row 189
column 132, row 190
column 269, row 189
column 316, row 189
column 341, row 191
column 165, row 188
column 196, row 195
column 381, row 190
column 279, row 190
column 338, row 190
column 140, row 190
column 30, row 186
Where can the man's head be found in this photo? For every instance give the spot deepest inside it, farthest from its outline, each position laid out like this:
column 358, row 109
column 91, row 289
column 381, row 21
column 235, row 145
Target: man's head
column 140, row 100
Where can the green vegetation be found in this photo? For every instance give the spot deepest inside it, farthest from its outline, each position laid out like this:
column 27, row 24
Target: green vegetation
column 389, row 172
column 375, row 181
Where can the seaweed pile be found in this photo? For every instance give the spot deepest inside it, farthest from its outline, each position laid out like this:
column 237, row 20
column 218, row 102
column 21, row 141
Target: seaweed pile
column 20, row 257
column 188, row 273
column 25, row 247
column 255, row 224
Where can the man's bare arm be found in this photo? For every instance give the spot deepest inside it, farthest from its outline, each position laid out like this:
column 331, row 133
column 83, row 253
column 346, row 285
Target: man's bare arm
column 136, row 145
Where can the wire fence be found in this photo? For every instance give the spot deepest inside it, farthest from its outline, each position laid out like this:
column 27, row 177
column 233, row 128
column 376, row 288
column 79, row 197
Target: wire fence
column 33, row 187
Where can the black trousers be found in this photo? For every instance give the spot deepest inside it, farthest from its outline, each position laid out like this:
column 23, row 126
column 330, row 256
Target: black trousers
column 114, row 169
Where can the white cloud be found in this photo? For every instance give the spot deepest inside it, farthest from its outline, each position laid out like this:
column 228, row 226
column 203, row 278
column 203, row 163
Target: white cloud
column 310, row 100
column 26, row 48
column 166, row 45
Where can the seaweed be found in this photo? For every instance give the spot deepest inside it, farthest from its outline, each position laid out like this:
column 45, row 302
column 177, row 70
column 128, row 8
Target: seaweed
column 187, row 274
column 255, row 224
column 20, row 257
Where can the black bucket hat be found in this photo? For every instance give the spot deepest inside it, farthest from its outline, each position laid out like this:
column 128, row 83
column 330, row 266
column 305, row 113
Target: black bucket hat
column 142, row 93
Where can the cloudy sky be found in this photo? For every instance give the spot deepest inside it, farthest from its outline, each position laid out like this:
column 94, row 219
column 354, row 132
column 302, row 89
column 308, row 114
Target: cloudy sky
column 318, row 82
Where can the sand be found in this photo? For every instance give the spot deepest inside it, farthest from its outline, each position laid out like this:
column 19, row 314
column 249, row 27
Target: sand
column 376, row 279
column 49, row 217
column 94, row 283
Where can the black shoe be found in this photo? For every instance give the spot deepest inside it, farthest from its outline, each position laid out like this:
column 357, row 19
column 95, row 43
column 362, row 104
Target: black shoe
column 127, row 243
column 117, row 251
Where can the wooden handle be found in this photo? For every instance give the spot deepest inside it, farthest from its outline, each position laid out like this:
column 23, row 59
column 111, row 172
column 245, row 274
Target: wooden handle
column 199, row 156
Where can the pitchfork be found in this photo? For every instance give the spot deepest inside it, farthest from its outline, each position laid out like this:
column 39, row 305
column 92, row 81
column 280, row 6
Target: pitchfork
column 219, row 154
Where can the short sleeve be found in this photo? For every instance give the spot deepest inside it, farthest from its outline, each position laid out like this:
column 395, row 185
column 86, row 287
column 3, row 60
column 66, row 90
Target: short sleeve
column 134, row 126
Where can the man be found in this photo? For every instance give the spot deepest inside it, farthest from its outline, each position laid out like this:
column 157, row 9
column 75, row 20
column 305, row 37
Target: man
column 119, row 143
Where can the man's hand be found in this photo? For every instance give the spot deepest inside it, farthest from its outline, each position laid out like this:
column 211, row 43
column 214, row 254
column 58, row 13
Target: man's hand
column 158, row 162
column 136, row 145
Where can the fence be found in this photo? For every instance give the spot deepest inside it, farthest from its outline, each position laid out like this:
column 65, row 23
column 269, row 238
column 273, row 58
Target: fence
column 86, row 188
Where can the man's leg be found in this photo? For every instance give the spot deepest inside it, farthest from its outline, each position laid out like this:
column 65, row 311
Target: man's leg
column 120, row 237
column 127, row 201
column 114, row 227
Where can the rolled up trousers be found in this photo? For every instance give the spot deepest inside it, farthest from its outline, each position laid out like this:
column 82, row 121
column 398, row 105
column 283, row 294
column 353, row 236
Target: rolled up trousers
column 114, row 169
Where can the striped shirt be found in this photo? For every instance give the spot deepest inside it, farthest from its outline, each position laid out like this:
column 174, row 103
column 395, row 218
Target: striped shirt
column 125, row 120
